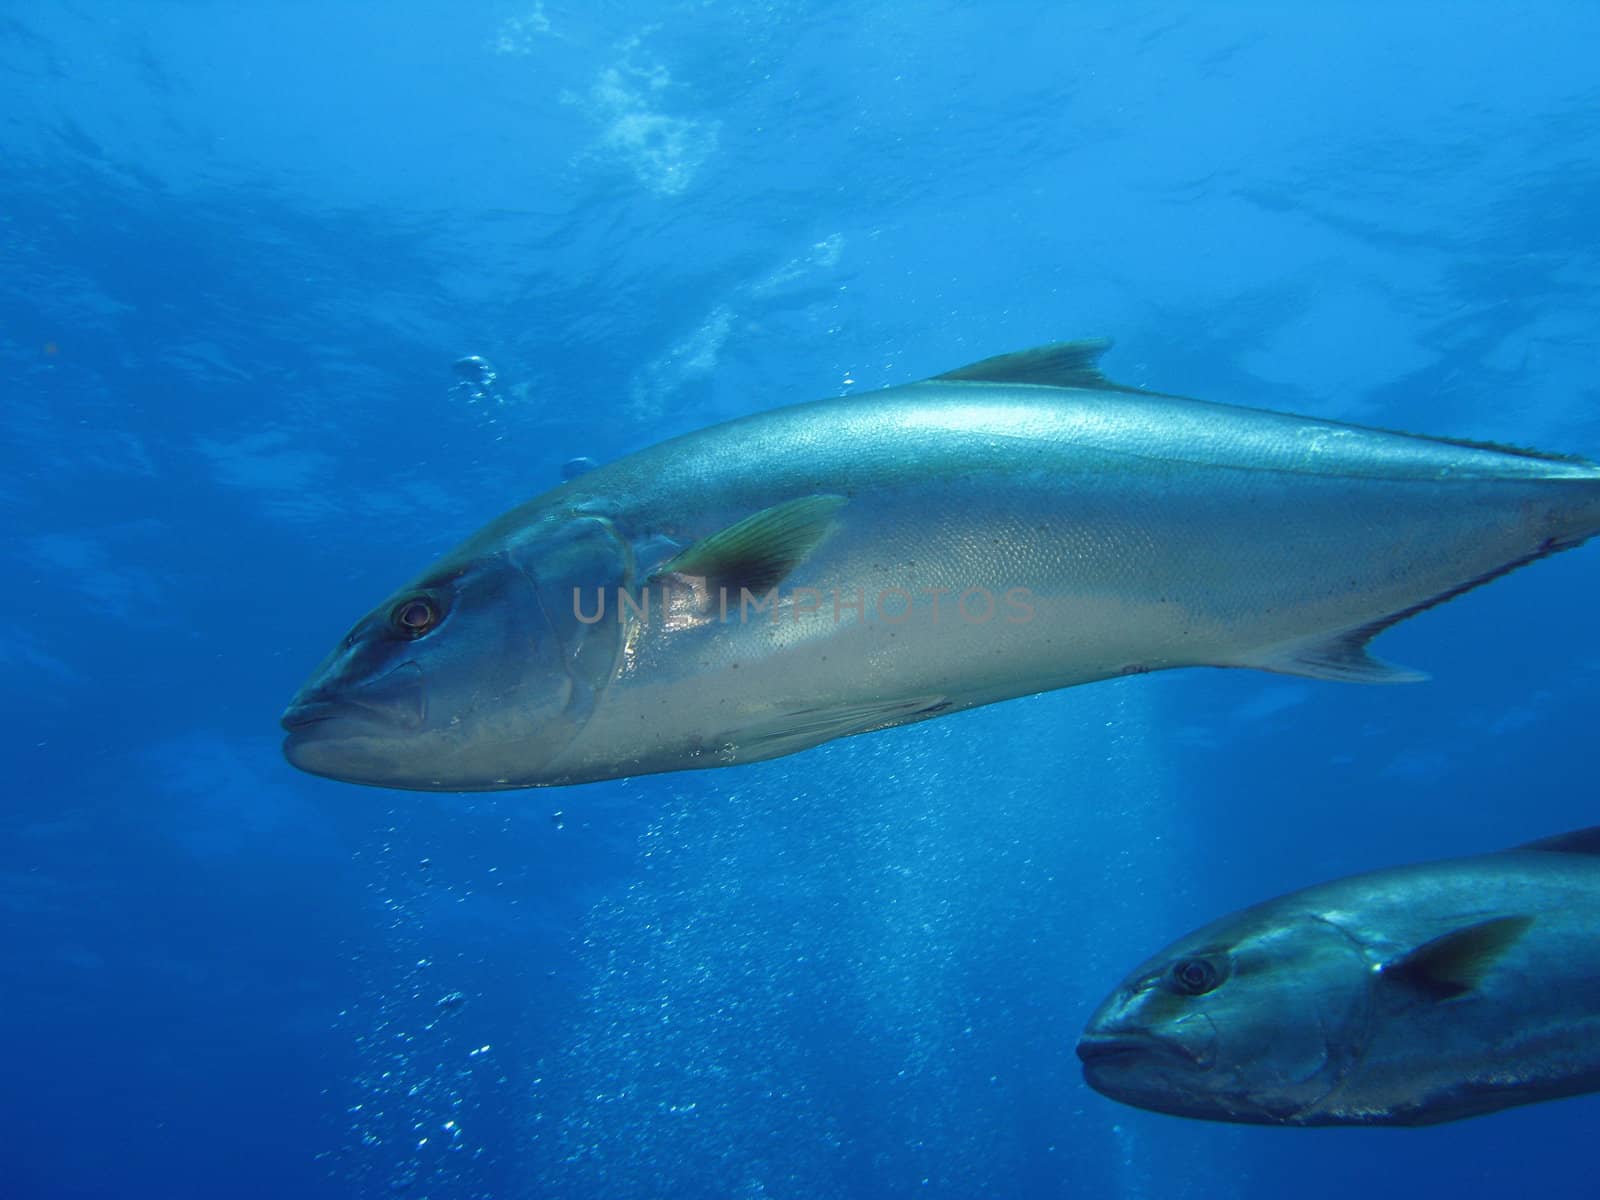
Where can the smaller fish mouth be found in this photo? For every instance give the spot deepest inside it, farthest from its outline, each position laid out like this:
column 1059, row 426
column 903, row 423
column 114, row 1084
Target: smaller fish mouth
column 1116, row 1050
column 300, row 716
column 1098, row 1050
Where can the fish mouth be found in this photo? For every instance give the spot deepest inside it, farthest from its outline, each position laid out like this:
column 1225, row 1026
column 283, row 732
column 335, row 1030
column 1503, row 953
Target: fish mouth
column 355, row 734
column 394, row 701
column 1143, row 1070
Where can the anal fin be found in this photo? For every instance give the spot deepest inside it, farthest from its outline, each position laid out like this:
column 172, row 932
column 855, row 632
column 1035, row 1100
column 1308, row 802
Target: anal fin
column 1342, row 657
column 801, row 729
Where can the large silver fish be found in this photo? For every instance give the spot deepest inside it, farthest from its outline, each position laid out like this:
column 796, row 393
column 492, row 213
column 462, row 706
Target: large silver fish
column 1022, row 524
column 1402, row 997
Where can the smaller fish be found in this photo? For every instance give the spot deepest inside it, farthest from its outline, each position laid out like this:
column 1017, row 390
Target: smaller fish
column 1408, row 996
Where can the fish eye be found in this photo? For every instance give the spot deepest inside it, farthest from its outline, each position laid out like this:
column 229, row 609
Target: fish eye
column 414, row 617
column 1193, row 976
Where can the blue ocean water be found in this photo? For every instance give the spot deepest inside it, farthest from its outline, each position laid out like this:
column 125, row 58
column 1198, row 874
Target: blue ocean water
column 243, row 244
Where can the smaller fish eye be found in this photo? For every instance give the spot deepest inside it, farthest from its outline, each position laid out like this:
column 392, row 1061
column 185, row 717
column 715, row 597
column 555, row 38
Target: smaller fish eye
column 1193, row 976
column 414, row 617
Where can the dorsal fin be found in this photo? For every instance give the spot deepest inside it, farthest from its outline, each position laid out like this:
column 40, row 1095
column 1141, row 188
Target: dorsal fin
column 1453, row 964
column 1579, row 841
column 1060, row 364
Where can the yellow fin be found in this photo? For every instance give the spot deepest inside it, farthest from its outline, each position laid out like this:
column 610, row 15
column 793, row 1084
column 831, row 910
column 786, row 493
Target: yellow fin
column 759, row 551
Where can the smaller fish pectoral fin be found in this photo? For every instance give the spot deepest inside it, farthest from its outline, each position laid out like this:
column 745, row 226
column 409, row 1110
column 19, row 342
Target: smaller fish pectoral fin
column 1453, row 964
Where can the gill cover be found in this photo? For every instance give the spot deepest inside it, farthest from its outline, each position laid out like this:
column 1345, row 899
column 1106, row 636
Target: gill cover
column 570, row 565
column 1298, row 1021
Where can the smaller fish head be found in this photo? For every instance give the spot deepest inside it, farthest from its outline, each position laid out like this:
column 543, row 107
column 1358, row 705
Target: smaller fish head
column 476, row 676
column 1255, row 1023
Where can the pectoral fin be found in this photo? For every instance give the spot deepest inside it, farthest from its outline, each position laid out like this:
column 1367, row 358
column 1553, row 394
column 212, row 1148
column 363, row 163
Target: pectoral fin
column 1453, row 964
column 759, row 551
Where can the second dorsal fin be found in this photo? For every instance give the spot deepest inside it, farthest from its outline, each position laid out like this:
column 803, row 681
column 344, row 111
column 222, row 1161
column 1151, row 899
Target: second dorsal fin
column 1060, row 364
